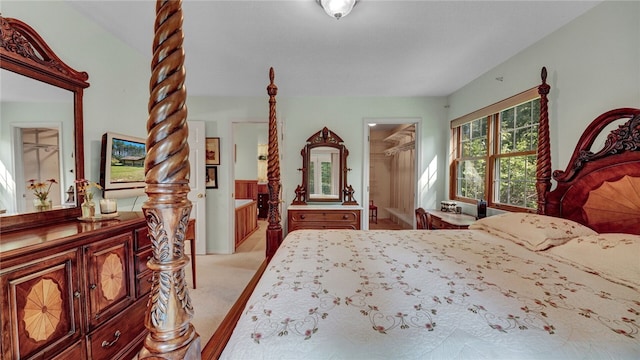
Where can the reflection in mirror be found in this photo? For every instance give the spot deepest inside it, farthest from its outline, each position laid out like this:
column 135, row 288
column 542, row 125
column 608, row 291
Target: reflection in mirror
column 324, row 173
column 39, row 91
column 36, row 141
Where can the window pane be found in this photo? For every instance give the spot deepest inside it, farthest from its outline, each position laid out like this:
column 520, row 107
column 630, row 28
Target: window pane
column 476, row 129
column 506, row 119
column 530, row 172
column 506, row 142
column 523, row 115
column 516, row 181
column 471, row 175
column 533, row 135
column 466, row 131
column 311, row 189
column 535, row 111
column 326, row 178
column 478, row 147
column 523, row 141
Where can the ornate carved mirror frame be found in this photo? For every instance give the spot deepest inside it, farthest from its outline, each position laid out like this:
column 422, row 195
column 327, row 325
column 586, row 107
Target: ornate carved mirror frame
column 24, row 52
column 329, row 142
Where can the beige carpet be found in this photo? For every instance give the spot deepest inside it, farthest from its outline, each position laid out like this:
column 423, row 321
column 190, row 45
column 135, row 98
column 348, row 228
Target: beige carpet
column 221, row 279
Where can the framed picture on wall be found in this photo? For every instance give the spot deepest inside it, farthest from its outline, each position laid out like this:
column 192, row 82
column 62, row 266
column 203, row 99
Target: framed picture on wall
column 211, row 180
column 212, row 151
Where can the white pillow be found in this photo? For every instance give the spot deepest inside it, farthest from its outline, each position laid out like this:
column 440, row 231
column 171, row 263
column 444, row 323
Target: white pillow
column 533, row 231
column 615, row 257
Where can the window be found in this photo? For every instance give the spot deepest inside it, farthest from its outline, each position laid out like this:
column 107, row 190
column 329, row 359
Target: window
column 321, row 183
column 495, row 152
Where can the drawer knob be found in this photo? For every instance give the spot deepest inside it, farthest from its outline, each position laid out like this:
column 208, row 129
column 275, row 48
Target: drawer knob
column 345, row 217
column 76, row 294
column 116, row 337
column 302, row 216
column 92, row 286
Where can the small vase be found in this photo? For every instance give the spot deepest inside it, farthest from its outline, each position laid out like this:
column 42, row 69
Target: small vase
column 42, row 204
column 88, row 209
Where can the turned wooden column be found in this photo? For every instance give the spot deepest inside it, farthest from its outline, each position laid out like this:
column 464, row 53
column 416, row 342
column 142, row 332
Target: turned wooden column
column 169, row 310
column 274, row 230
column 543, row 165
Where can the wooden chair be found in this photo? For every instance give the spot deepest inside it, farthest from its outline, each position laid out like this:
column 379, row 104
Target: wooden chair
column 373, row 212
column 423, row 219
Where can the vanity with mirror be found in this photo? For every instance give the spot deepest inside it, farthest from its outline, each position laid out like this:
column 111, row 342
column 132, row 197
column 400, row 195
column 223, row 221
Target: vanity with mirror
column 71, row 289
column 324, row 200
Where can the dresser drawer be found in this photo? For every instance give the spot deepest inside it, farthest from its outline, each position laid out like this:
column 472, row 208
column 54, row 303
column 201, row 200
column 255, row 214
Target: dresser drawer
column 142, row 240
column 118, row 334
column 324, row 219
column 321, row 226
column 143, row 283
column 142, row 259
column 328, row 215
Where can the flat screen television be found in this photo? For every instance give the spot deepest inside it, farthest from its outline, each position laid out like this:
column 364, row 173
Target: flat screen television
column 122, row 166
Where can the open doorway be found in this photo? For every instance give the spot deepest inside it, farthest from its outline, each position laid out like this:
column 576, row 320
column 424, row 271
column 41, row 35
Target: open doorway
column 250, row 146
column 391, row 173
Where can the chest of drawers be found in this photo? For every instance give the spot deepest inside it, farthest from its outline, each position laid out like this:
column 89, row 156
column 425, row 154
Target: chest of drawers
column 80, row 288
column 323, row 217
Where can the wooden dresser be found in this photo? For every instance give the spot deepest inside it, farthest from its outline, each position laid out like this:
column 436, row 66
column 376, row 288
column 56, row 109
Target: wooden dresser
column 323, row 217
column 448, row 220
column 75, row 290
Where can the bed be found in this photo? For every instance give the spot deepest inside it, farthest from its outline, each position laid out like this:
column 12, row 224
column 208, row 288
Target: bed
column 564, row 285
column 516, row 285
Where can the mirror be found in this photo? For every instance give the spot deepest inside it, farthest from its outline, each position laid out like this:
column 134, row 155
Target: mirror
column 40, row 95
column 324, row 171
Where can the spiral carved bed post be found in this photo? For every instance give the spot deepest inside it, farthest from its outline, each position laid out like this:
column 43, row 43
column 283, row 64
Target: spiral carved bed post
column 169, row 310
column 543, row 165
column 274, row 230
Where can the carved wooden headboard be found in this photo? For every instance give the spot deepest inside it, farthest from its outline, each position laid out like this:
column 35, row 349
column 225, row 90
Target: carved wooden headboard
column 601, row 187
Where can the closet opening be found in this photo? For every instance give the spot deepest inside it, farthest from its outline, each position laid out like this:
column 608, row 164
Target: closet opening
column 391, row 174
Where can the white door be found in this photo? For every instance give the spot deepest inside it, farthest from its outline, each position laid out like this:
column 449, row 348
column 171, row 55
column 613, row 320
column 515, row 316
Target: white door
column 197, row 195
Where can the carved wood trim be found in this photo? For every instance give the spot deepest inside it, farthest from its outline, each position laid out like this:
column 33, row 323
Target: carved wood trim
column 169, row 310
column 23, row 46
column 543, row 164
column 625, row 138
column 325, row 136
column 274, row 230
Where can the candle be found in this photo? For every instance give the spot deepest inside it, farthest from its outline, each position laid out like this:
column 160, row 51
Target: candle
column 108, row 206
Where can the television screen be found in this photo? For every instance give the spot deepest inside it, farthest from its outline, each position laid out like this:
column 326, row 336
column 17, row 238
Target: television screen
column 122, row 165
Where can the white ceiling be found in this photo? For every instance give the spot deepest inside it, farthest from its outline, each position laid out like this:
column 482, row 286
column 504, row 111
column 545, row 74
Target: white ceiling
column 383, row 48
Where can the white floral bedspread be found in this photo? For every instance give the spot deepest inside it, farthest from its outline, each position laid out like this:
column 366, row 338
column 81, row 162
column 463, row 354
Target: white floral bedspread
column 418, row 294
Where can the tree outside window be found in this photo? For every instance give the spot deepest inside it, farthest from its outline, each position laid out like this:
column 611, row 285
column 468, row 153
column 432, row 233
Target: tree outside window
column 495, row 157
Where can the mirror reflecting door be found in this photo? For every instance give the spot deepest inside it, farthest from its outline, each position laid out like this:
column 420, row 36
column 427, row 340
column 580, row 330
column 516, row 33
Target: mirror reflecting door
column 39, row 149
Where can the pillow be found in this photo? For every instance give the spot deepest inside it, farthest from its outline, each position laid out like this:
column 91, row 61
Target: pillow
column 615, row 257
column 533, row 231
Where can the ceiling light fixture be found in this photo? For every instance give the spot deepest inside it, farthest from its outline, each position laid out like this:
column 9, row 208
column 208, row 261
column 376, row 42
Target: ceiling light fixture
column 337, row 8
